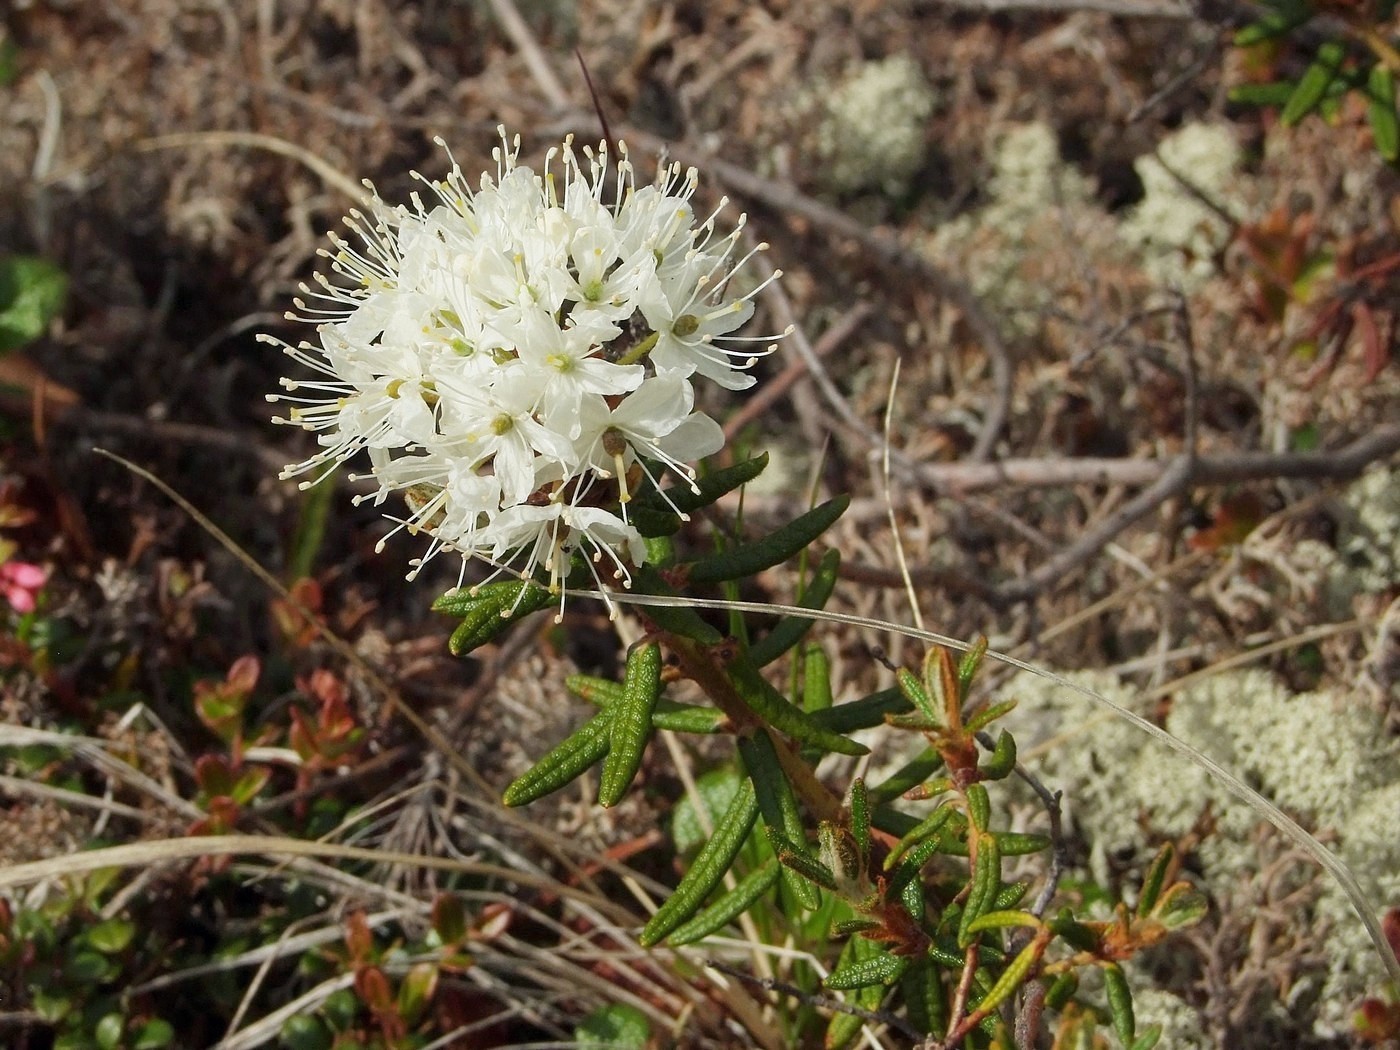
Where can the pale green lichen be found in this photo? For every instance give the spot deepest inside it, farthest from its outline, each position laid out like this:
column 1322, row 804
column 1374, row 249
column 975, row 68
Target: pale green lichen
column 1007, row 247
column 1370, row 846
column 1177, row 234
column 871, row 136
column 1368, row 537
column 1324, row 756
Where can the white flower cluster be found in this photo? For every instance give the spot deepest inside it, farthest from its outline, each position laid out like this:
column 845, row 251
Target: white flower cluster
column 500, row 353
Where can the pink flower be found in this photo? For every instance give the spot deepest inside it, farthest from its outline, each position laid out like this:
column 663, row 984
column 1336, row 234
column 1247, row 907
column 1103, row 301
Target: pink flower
column 19, row 583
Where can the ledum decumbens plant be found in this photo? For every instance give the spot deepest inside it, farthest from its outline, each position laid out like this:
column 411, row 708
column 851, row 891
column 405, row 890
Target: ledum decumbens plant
column 515, row 364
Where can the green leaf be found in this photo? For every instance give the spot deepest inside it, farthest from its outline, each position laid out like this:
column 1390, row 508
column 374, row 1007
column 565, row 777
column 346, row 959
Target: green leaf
column 929, row 826
column 1284, row 18
column 566, row 762
column 416, row 991
column 679, row 619
column 1275, row 94
column 616, row 1026
column 1153, row 881
column 89, row 968
column 708, row 868
column 1181, row 906
column 793, row 857
column 921, row 988
column 1312, row 86
column 986, row 882
column 729, row 907
column 631, row 722
column 1385, row 126
column 979, row 806
column 843, row 1028
column 111, row 936
column 305, row 1032
column 155, row 1034
column 778, row 805
column 789, row 630
column 715, row 790
column 1149, row 1038
column 773, row 549
column 488, row 609
column 1120, row 1003
column 1000, row 763
column 883, row 968
column 913, row 773
column 865, row 713
column 775, row 709
column 1020, row 843
column 816, row 679
column 449, row 919
column 712, row 486
column 676, row 717
column 32, row 293
column 1001, row 920
column 108, row 1031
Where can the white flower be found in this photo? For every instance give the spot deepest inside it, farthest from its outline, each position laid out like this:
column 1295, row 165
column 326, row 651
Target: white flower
column 512, row 357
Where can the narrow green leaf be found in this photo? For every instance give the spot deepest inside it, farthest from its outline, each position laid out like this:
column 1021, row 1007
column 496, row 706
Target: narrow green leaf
column 816, row 679
column 789, row 630
column 860, row 819
column 865, row 713
column 1155, row 878
column 708, row 868
column 1016, row 974
column 775, row 709
column 1120, row 1003
column 1385, row 125
column 631, row 722
column 1149, row 1038
column 1019, row 844
column 463, row 601
column 773, row 549
column 970, row 662
column 1313, row 84
column 1002, row 761
column 793, row 856
column 913, row 773
column 979, row 806
column 778, row 805
column 914, row 691
column 986, row 882
column 681, row 619
column 1061, row 990
column 1010, row 895
column 1275, row 94
column 988, row 715
column 564, row 763
column 488, row 610
column 883, row 969
column 711, row 487
column 843, row 1028
column 921, row 988
column 1001, row 920
column 677, row 717
column 729, row 907
column 928, row 827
